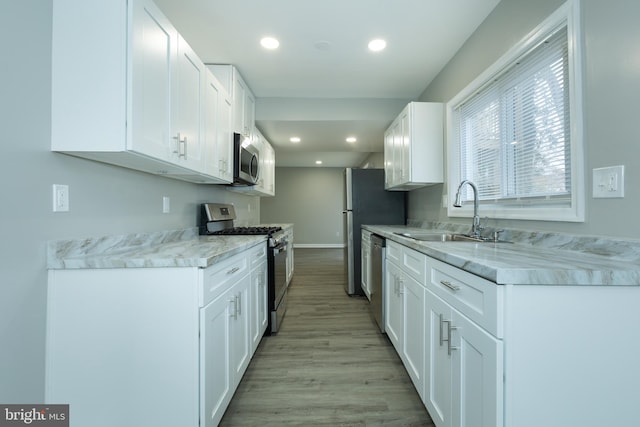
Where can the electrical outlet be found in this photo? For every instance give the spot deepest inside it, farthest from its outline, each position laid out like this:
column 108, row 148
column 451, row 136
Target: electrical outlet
column 166, row 204
column 608, row 182
column 60, row 198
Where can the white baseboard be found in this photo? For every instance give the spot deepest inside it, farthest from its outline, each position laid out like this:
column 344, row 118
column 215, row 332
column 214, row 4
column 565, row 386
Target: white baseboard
column 318, row 245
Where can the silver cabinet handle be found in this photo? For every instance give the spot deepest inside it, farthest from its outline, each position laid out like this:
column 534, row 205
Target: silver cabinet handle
column 449, row 346
column 454, row 288
column 450, row 327
column 239, row 302
column 234, row 314
column 400, row 286
column 233, row 270
column 181, row 146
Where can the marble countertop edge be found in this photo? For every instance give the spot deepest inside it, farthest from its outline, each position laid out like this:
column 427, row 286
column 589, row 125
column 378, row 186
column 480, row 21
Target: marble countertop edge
column 519, row 264
column 175, row 248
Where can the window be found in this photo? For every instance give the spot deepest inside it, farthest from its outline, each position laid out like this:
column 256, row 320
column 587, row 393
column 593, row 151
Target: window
column 515, row 132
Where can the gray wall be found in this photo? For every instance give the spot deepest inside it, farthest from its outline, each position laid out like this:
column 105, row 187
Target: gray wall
column 103, row 199
column 611, row 76
column 311, row 199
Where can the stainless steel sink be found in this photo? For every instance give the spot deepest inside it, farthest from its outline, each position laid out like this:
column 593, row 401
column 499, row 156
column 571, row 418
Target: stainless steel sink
column 446, row 237
column 428, row 237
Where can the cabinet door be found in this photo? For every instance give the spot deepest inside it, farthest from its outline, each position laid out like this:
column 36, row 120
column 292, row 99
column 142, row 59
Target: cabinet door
column 393, row 305
column 239, row 99
column 187, row 137
column 477, row 376
column 258, row 304
column 224, row 138
column 249, row 111
column 239, row 329
column 268, row 169
column 217, row 147
column 211, row 123
column 404, row 147
column 290, row 259
column 154, row 48
column 397, row 153
column 388, row 158
column 215, row 368
column 365, row 268
column 437, row 394
column 413, row 342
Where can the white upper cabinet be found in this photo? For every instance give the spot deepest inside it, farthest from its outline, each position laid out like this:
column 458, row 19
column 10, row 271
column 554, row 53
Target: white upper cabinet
column 413, row 147
column 218, row 156
column 153, row 47
column 127, row 89
column 244, row 102
column 188, row 125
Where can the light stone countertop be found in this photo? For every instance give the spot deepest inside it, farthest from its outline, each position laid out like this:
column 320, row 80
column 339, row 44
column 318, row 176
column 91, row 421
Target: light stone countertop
column 552, row 261
column 175, row 248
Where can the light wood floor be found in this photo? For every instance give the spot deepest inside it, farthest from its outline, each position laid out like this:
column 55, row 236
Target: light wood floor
column 329, row 365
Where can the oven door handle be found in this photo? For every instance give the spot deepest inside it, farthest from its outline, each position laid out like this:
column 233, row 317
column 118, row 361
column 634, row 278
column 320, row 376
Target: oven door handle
column 280, row 247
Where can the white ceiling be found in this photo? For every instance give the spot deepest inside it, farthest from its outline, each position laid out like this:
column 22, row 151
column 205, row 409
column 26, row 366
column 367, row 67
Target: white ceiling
column 322, row 84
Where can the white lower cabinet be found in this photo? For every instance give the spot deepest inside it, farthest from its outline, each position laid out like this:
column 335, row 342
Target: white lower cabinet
column 464, row 369
column 155, row 346
column 365, row 263
column 514, row 355
column 477, row 375
column 216, row 385
column 259, row 297
column 404, row 314
column 455, row 365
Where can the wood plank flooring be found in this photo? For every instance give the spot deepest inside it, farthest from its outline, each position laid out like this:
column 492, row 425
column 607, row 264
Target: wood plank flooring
column 329, row 365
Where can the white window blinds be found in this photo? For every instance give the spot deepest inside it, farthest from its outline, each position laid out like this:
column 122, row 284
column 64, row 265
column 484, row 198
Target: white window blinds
column 514, row 133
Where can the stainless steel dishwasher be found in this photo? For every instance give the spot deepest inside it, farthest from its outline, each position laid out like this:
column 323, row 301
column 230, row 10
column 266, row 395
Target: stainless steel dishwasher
column 377, row 278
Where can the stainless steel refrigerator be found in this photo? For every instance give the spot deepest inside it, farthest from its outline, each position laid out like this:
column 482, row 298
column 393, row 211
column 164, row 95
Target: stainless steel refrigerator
column 366, row 202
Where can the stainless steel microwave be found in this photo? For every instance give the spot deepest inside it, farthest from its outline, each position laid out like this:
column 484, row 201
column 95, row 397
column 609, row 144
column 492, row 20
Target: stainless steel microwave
column 246, row 161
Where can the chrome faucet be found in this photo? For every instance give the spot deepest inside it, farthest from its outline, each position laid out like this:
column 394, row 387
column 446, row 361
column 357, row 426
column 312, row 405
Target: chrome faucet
column 475, row 227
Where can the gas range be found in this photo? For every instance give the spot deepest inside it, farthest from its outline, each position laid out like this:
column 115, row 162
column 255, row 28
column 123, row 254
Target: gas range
column 217, row 219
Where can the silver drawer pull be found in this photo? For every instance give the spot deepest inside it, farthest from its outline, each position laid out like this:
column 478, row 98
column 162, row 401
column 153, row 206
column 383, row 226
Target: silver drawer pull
column 454, row 288
column 233, row 270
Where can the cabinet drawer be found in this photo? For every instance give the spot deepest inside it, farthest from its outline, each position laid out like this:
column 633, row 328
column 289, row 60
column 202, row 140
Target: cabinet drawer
column 257, row 255
column 393, row 251
column 410, row 261
column 220, row 276
column 478, row 299
column 414, row 264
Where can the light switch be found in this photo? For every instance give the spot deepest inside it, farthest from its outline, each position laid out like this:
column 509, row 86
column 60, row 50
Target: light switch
column 166, row 204
column 608, row 182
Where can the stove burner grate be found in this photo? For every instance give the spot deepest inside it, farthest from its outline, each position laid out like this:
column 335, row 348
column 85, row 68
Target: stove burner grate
column 247, row 231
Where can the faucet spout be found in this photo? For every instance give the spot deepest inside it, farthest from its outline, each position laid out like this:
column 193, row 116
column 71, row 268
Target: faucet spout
column 475, row 227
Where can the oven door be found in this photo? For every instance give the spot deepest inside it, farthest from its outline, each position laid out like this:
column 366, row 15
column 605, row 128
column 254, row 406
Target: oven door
column 278, row 285
column 246, row 161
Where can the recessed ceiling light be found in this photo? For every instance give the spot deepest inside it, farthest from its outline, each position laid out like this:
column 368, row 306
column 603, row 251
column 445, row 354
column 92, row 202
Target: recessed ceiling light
column 269, row 43
column 351, row 139
column 318, row 162
column 377, row 45
column 294, row 139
